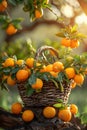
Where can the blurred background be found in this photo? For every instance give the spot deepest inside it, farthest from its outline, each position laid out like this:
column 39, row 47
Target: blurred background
column 43, row 32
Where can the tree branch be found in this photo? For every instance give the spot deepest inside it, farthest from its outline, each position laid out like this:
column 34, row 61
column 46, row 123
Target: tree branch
column 83, row 5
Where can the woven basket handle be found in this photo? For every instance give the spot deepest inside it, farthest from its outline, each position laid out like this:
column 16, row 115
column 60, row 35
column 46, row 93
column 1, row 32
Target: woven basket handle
column 44, row 48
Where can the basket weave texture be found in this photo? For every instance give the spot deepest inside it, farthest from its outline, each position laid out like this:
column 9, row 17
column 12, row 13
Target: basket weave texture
column 49, row 93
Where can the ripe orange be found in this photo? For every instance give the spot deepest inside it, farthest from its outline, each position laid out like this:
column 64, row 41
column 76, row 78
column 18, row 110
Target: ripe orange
column 70, row 72
column 11, row 29
column 38, row 84
column 9, row 62
column 43, row 69
column 29, row 71
column 38, row 13
column 30, row 62
column 10, row 81
column 16, row 108
column 74, row 43
column 49, row 68
column 49, row 112
column 73, row 109
column 65, row 115
column 20, row 62
column 66, row 42
column 3, row 5
column 58, row 66
column 85, row 71
column 54, row 74
column 79, row 79
column 28, row 115
column 22, row 75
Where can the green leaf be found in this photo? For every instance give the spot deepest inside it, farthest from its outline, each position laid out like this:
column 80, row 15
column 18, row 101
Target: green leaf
column 4, row 19
column 59, row 100
column 29, row 90
column 58, row 105
column 12, row 2
column 1, row 1
column 84, row 118
column 18, row 20
column 60, row 34
column 14, row 70
column 80, row 35
column 61, row 87
column 74, row 28
column 45, row 76
column 7, row 70
column 17, row 23
column 32, row 79
column 55, row 82
column 4, row 86
column 15, row 2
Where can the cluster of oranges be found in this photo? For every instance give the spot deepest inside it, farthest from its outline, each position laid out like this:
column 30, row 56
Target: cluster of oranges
column 27, row 115
column 3, row 5
column 15, row 71
column 73, row 43
column 11, row 29
column 23, row 72
column 36, row 12
column 25, row 67
column 48, row 112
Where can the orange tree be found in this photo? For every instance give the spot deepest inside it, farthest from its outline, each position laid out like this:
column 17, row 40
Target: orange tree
column 33, row 7
column 69, row 67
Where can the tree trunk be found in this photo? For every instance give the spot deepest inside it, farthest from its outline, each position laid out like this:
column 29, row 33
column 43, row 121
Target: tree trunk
column 9, row 121
column 83, row 4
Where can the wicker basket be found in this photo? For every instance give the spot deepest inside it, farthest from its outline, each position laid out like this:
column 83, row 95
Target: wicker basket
column 49, row 93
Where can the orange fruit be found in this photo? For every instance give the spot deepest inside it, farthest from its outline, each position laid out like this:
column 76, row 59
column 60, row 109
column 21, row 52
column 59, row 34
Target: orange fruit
column 73, row 109
column 85, row 71
column 54, row 74
column 30, row 62
column 29, row 71
column 28, row 115
column 11, row 29
column 38, row 13
column 5, row 77
column 9, row 62
column 70, row 72
column 73, row 84
column 22, row 75
column 49, row 112
column 66, row 42
column 3, row 5
column 58, row 66
column 20, row 62
column 38, row 84
column 16, row 108
column 43, row 69
column 74, row 43
column 79, row 79
column 10, row 81
column 49, row 68
column 65, row 115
